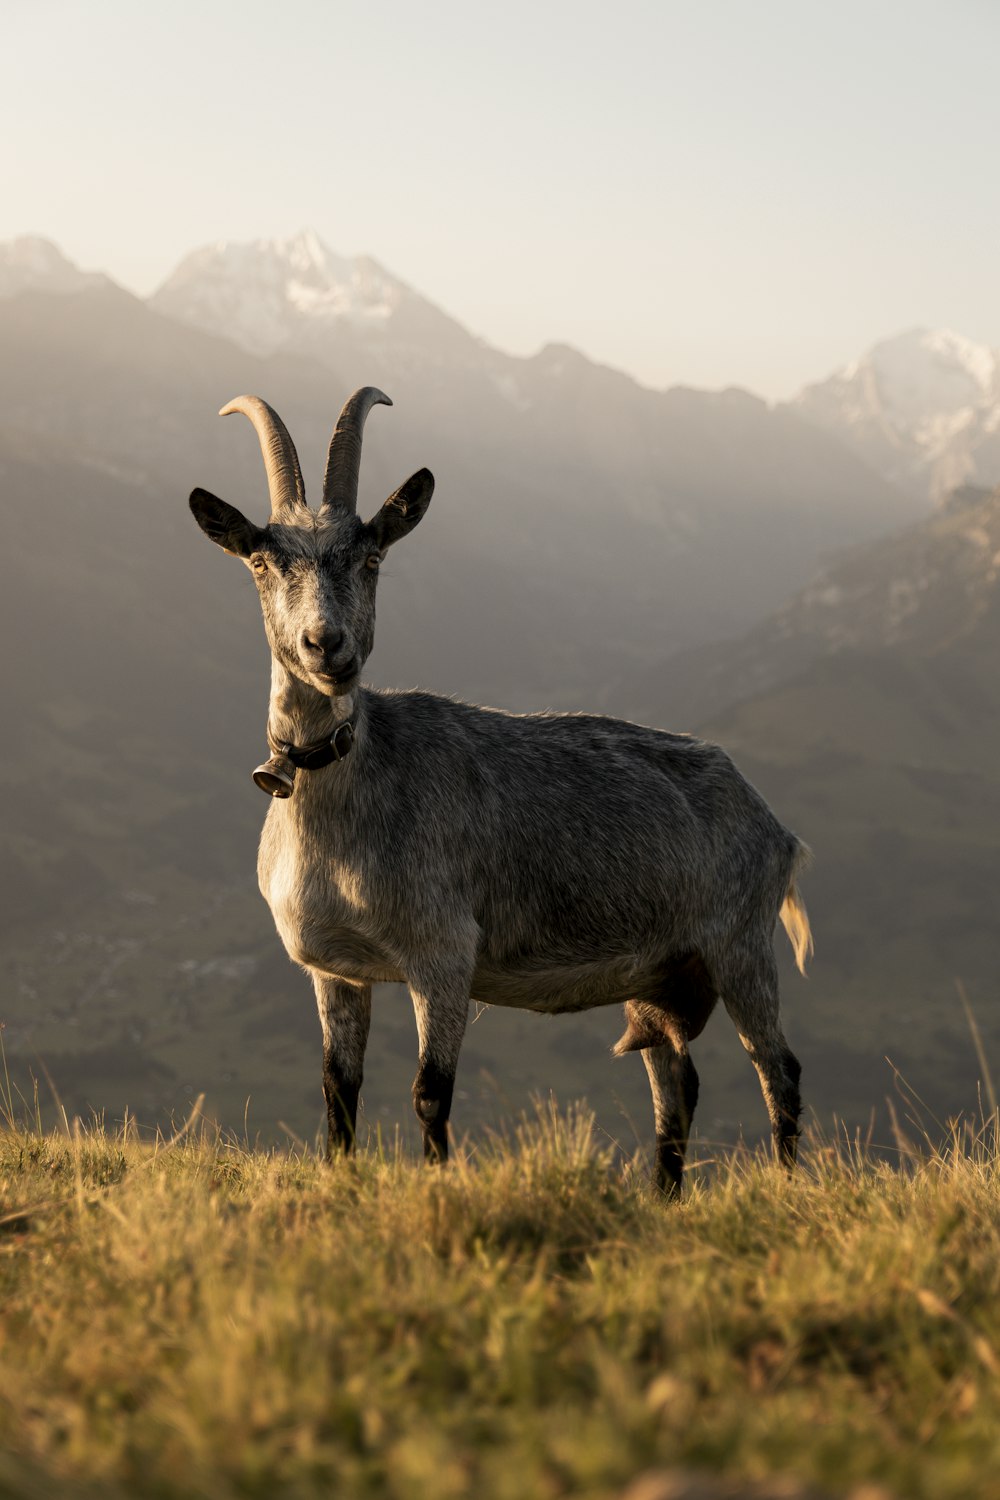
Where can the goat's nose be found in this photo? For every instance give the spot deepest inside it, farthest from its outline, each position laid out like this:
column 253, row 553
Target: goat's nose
column 322, row 642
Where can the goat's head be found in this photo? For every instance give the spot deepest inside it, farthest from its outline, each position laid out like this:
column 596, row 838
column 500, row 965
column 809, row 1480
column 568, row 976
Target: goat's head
column 315, row 571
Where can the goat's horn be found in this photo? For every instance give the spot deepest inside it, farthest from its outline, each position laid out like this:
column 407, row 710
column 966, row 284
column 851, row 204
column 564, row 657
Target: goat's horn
column 281, row 462
column 343, row 463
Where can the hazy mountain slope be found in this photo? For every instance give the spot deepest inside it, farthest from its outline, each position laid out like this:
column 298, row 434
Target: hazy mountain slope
column 926, row 587
column 31, row 262
column 125, row 720
column 923, row 409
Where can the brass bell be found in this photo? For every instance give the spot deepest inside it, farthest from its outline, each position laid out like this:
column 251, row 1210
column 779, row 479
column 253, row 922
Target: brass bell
column 276, row 776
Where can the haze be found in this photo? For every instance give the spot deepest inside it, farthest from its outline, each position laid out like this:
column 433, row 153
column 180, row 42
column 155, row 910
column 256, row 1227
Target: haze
column 712, row 195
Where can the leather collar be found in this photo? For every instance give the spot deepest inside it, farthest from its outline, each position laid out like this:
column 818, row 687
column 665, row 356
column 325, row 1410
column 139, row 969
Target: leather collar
column 319, row 754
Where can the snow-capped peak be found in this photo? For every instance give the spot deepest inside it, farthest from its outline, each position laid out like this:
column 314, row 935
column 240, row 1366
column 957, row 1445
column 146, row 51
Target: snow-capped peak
column 917, row 406
column 303, row 249
column 270, row 294
column 926, row 372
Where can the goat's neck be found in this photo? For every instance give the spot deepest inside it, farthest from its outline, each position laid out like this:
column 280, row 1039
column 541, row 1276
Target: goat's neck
column 300, row 714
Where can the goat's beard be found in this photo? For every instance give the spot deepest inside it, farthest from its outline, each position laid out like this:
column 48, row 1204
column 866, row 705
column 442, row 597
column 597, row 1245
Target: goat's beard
column 342, row 700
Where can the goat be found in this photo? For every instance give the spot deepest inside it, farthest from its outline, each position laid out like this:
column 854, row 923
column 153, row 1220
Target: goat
column 552, row 862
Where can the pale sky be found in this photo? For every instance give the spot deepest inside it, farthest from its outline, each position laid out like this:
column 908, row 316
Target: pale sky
column 714, row 192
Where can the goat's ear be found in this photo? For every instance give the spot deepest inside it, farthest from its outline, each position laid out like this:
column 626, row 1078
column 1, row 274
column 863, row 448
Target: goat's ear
column 403, row 510
column 224, row 524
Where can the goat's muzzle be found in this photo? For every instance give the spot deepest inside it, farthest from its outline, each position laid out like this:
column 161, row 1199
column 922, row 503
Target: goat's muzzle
column 276, row 776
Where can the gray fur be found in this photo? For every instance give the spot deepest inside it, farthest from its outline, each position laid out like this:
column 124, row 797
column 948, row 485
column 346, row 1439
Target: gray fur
column 551, row 862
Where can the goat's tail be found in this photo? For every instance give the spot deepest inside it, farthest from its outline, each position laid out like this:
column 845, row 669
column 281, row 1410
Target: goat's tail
column 793, row 914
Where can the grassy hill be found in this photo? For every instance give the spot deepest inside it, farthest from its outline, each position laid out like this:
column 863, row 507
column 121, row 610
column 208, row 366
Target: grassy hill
column 194, row 1319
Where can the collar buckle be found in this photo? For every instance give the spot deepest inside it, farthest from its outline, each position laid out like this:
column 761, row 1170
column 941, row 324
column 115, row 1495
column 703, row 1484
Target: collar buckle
column 342, row 739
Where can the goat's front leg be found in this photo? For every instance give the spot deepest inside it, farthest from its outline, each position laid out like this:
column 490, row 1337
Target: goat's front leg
column 345, row 1012
column 441, row 1007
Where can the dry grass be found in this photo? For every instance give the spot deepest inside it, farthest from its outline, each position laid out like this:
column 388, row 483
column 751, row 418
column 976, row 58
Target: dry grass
column 196, row 1319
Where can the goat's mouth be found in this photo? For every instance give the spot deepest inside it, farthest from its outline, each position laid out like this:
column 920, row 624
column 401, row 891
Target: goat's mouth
column 344, row 680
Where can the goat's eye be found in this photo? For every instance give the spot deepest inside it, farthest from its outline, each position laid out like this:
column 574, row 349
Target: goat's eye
column 373, row 559
column 258, row 564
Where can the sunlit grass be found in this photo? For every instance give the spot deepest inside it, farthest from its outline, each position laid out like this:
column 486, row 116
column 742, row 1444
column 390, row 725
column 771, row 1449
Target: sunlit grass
column 191, row 1317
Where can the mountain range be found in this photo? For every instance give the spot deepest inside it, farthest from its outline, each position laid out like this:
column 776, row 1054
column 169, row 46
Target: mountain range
column 922, row 408
column 588, row 542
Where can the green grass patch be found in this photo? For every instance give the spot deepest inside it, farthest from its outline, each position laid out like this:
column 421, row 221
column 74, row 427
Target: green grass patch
column 191, row 1318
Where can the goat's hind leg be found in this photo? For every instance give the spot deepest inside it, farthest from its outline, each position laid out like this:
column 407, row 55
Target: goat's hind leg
column 674, row 1085
column 661, row 1029
column 345, row 1015
column 749, row 986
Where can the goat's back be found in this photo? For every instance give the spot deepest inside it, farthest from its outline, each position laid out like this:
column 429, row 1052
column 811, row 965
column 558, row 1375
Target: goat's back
column 573, row 832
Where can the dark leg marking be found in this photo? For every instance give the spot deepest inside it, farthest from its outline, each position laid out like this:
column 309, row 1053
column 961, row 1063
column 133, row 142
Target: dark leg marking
column 432, row 1093
column 673, row 1080
column 341, row 1108
column 440, row 1027
column 786, row 1132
